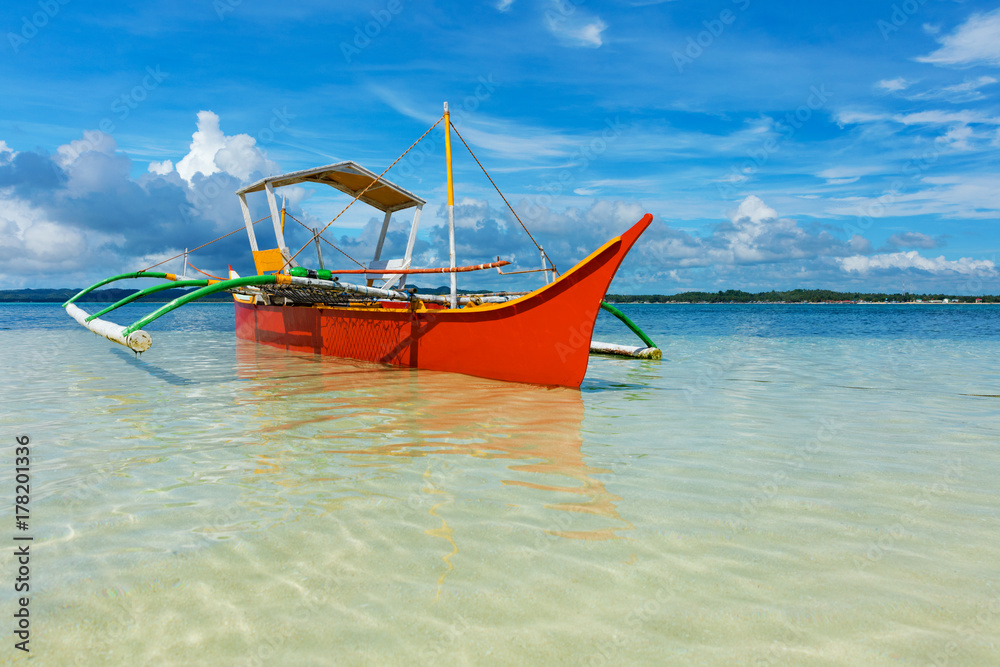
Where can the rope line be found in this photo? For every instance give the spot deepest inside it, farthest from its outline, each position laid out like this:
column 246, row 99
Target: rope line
column 204, row 244
column 360, row 194
column 204, row 272
column 540, row 249
column 323, row 238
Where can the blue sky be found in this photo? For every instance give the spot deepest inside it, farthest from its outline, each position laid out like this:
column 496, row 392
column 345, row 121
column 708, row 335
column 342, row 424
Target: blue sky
column 848, row 145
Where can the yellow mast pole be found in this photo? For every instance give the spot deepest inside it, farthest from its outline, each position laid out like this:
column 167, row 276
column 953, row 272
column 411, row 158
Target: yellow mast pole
column 451, row 204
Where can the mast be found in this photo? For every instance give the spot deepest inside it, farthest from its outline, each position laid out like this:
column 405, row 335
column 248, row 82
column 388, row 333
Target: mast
column 451, row 205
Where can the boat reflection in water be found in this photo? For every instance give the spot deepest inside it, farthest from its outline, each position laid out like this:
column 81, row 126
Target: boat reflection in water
column 404, row 438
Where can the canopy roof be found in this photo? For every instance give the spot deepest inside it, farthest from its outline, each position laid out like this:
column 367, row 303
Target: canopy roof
column 348, row 177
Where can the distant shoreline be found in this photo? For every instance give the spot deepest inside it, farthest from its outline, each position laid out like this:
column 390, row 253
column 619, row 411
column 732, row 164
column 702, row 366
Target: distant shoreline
column 805, row 303
column 798, row 296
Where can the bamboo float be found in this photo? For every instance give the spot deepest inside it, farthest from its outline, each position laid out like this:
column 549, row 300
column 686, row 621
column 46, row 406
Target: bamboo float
column 615, row 350
column 137, row 341
column 132, row 336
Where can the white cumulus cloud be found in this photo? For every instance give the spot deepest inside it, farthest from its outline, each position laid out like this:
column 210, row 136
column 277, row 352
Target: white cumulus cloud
column 93, row 141
column 212, row 152
column 754, row 234
column 6, row 153
column 161, row 168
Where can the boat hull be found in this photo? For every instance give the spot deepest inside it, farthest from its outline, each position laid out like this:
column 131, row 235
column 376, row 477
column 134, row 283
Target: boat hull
column 540, row 338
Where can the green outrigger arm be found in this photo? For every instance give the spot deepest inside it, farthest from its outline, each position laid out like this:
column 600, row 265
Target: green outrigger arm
column 121, row 276
column 149, row 290
column 219, row 286
column 648, row 352
column 629, row 323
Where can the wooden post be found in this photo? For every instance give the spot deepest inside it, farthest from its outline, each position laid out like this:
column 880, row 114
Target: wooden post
column 249, row 223
column 279, row 233
column 319, row 250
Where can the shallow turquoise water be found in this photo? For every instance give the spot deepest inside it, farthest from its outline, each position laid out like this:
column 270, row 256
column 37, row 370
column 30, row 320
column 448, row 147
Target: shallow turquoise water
column 790, row 485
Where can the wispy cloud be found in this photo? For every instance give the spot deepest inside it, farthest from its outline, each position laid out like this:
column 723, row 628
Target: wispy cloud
column 499, row 136
column 573, row 26
column 974, row 42
column 969, row 90
column 893, row 85
column 967, row 196
column 848, row 174
column 912, row 240
column 929, row 117
column 912, row 260
column 937, row 117
column 853, row 117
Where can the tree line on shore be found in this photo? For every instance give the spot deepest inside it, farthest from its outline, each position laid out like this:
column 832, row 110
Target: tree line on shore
column 108, row 295
column 792, row 296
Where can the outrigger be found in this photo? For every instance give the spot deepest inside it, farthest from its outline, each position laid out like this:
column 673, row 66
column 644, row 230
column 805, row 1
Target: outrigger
column 541, row 337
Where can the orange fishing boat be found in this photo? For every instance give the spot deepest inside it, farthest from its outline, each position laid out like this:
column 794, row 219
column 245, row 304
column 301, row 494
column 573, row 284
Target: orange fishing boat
column 540, row 337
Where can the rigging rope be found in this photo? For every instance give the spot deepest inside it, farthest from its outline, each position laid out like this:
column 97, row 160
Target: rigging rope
column 322, row 238
column 540, row 249
column 356, row 198
column 361, row 194
column 188, row 252
column 204, row 272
